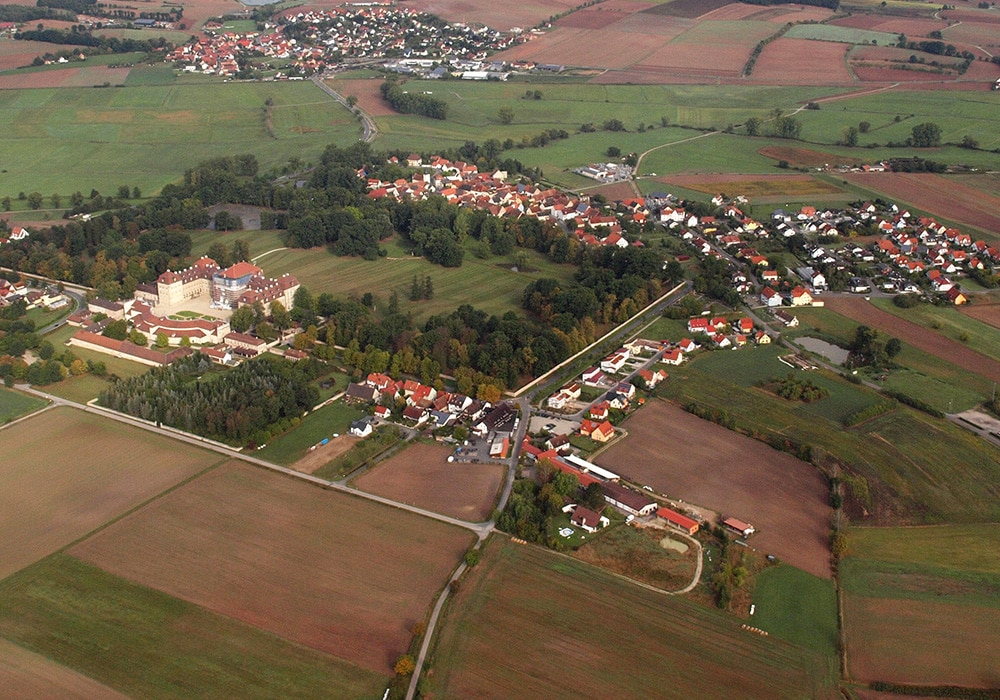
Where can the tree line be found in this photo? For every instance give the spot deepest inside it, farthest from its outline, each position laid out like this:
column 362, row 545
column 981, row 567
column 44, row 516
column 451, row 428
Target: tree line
column 413, row 103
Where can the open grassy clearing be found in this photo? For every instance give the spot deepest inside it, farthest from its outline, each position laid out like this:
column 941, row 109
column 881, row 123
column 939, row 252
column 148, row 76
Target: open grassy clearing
column 65, row 472
column 259, row 241
column 145, row 643
column 797, row 607
column 580, row 630
column 922, row 375
column 14, row 404
column 319, row 271
column 640, row 554
column 922, row 604
column 328, row 571
column 323, row 423
column 62, row 140
column 920, row 469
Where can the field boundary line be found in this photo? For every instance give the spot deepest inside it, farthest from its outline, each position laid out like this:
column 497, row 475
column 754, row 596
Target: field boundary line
column 26, row 417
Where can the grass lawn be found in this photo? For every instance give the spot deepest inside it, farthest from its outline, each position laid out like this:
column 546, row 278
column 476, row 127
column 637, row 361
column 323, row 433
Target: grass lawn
column 259, row 241
column 14, row 404
column 88, row 386
column 148, row 644
column 798, row 607
column 488, row 284
column 323, row 423
column 577, row 627
column 665, row 328
column 68, row 139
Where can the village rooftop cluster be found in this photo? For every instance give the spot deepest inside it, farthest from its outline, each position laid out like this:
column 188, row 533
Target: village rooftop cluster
column 407, row 40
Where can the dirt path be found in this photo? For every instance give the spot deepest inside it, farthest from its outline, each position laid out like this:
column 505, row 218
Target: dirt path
column 919, row 337
column 325, row 454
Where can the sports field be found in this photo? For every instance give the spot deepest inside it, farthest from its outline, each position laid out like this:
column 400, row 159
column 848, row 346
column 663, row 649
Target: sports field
column 580, row 631
column 687, row 458
column 921, row 605
column 421, row 475
column 65, row 472
column 68, row 139
column 330, row 572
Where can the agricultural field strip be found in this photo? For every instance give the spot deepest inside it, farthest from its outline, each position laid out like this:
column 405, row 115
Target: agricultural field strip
column 480, row 529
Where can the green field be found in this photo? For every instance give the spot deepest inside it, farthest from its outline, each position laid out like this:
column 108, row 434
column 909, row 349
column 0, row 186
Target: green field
column 580, row 630
column 798, row 607
column 62, row 140
column 921, row 469
column 974, row 548
column 148, row 644
column 14, row 404
column 845, row 35
column 323, row 423
column 258, row 241
column 951, row 323
column 487, row 284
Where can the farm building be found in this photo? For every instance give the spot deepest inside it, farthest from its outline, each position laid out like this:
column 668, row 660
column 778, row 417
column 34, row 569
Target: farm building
column 738, row 526
column 627, row 500
column 591, row 468
column 588, row 520
column 675, row 519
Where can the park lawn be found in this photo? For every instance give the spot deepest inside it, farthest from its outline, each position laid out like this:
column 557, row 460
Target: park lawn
column 949, row 322
column 68, row 139
column 798, row 607
column 258, row 241
column 665, row 328
column 578, row 627
column 333, row 418
column 43, row 317
column 921, row 469
column 14, row 404
column 148, row 644
column 488, row 284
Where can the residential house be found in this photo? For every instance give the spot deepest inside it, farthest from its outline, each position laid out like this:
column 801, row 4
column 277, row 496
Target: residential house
column 769, row 297
column 588, row 520
column 800, row 296
column 603, row 432
column 360, row 428
column 360, row 393
column 786, row 318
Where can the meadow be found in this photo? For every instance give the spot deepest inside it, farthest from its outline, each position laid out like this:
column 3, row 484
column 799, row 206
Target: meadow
column 921, row 604
column 333, row 418
column 68, row 139
column 488, row 284
column 14, row 404
column 578, row 627
column 146, row 643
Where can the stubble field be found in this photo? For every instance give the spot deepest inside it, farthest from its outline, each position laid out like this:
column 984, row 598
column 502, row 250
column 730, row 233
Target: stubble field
column 330, row 572
column 687, row 458
column 64, row 473
column 421, row 475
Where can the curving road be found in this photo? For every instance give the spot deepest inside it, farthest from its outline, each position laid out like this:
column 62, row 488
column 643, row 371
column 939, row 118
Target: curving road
column 369, row 130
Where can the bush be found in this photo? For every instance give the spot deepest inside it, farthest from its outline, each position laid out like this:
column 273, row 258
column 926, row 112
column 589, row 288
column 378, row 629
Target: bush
column 906, row 301
column 871, row 412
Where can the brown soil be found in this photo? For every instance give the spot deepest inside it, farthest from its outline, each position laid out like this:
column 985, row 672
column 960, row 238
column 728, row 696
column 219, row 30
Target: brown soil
column 796, row 185
column 804, row 157
column 498, row 15
column 952, row 351
column 367, row 91
column 987, row 313
column 323, row 455
column 65, row 472
column 687, row 458
column 421, row 475
column 802, row 62
column 332, row 572
column 24, row 674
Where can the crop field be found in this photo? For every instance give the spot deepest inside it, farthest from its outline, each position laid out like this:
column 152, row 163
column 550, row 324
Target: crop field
column 65, row 472
column 25, row 674
column 939, row 195
column 62, row 140
column 503, row 17
column 922, row 336
column 921, row 604
column 421, row 476
column 911, row 26
column 333, row 418
column 14, row 404
column 797, row 185
column 798, row 61
column 920, row 469
column 145, row 643
column 951, row 322
column 685, row 457
column 577, row 627
column 731, row 44
column 288, row 558
column 320, row 272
